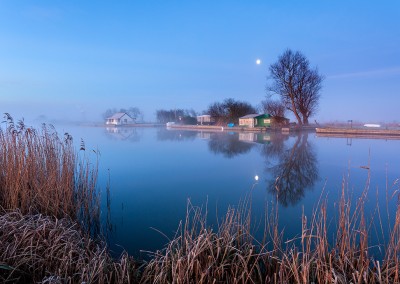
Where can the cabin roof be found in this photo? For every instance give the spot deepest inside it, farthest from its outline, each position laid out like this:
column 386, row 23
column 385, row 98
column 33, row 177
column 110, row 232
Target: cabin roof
column 250, row 116
column 118, row 115
column 255, row 115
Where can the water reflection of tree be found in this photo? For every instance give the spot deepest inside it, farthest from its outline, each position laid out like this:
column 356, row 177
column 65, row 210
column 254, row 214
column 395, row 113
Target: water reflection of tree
column 228, row 145
column 294, row 170
column 175, row 135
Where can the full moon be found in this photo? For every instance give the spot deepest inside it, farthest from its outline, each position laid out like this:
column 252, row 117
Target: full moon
column 258, row 61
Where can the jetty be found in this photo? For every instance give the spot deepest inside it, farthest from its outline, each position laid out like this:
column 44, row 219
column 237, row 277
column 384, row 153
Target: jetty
column 358, row 132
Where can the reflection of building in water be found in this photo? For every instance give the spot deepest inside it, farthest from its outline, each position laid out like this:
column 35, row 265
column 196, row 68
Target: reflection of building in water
column 123, row 133
column 204, row 135
column 254, row 137
column 263, row 137
column 247, row 136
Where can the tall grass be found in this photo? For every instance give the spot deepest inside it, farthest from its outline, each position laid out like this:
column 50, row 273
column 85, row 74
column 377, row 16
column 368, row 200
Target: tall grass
column 230, row 254
column 38, row 248
column 40, row 172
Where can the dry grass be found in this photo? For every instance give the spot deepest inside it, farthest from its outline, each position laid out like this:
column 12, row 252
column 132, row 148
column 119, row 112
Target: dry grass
column 200, row 255
column 37, row 248
column 230, row 254
column 42, row 173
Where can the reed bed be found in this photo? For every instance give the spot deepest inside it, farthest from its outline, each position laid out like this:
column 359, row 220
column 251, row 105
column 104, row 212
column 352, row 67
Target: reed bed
column 230, row 254
column 40, row 172
column 43, row 249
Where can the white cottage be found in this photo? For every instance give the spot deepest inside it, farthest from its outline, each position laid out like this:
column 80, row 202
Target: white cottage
column 249, row 120
column 120, row 118
column 205, row 119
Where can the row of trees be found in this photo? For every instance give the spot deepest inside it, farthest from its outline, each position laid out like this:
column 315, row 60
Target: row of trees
column 184, row 116
column 223, row 112
column 229, row 110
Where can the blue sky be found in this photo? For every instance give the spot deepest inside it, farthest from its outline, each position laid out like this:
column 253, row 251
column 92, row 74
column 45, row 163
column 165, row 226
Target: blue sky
column 74, row 59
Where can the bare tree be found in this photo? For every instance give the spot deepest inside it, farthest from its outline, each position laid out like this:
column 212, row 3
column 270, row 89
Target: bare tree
column 296, row 83
column 229, row 110
column 273, row 107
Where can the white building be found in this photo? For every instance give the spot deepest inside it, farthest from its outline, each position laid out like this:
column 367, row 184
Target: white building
column 120, row 118
column 204, row 119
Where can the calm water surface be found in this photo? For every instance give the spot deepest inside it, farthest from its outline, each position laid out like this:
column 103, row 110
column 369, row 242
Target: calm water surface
column 154, row 172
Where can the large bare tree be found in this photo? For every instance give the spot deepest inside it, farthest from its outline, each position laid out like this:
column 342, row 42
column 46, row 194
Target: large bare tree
column 297, row 84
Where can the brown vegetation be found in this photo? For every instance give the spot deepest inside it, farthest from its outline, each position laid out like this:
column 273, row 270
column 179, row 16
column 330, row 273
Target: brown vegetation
column 42, row 173
column 37, row 248
column 230, row 254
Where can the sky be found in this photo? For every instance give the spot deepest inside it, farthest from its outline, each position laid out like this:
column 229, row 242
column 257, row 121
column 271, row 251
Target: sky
column 72, row 60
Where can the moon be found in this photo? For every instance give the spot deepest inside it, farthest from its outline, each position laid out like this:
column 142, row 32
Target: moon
column 258, row 61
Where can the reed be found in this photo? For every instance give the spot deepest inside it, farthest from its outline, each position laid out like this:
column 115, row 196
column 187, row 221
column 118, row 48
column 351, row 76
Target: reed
column 42, row 173
column 230, row 254
column 38, row 248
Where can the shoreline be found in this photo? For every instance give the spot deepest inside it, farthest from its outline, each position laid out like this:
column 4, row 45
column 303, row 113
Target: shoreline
column 241, row 128
column 357, row 132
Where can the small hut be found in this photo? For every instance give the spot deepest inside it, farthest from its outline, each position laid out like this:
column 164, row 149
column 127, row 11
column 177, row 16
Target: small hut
column 120, row 118
column 262, row 120
column 204, row 119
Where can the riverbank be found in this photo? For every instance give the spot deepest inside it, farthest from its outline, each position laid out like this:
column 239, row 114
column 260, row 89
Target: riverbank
column 241, row 128
column 358, row 132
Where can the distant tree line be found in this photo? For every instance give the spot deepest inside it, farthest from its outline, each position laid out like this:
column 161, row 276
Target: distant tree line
column 184, row 116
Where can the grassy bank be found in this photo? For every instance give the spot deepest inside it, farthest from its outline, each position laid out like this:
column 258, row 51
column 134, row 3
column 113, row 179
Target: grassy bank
column 50, row 205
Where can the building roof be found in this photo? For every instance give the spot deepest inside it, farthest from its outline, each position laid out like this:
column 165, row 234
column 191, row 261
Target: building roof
column 255, row 115
column 118, row 115
column 250, row 116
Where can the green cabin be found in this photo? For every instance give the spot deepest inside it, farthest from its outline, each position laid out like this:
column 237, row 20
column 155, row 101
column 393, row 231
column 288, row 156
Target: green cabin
column 262, row 120
column 255, row 120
